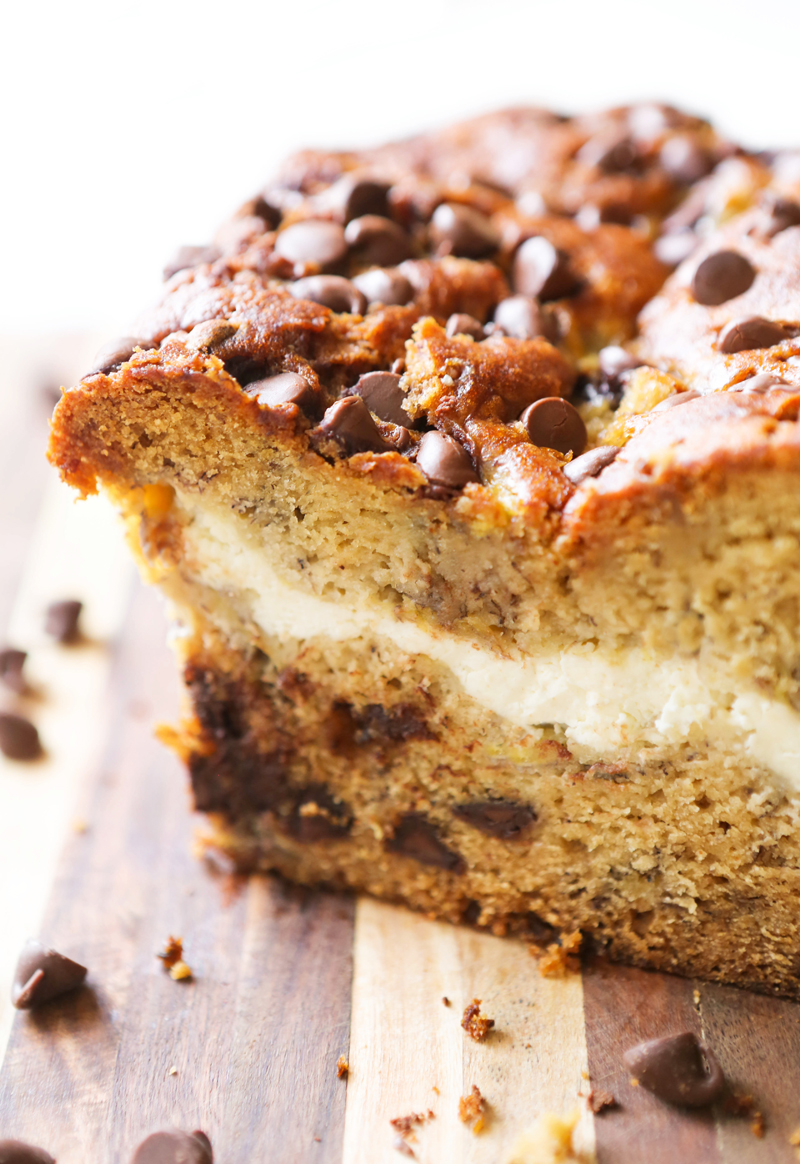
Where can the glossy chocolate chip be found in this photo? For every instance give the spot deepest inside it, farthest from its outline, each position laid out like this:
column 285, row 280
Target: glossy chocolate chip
column 460, row 230
column 589, row 217
column 330, row 291
column 522, row 317
column 613, row 153
column 12, row 662
column 762, row 382
column 174, row 1148
column 42, row 974
column 210, row 334
column 503, row 819
column 783, row 214
column 748, row 334
column 590, row 464
column 685, row 159
column 462, row 324
column 444, row 461
column 382, row 394
column 416, row 837
column 672, row 249
column 350, row 424
column 285, row 388
column 62, row 620
column 186, row 257
column 377, row 241
column 118, row 352
column 720, row 277
column 353, row 197
column 17, row 1152
column 678, row 1069
column 19, row 739
column 614, row 361
column 553, row 423
column 542, row 271
column 387, row 287
column 313, row 242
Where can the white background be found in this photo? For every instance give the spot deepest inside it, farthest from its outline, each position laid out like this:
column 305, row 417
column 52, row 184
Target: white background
column 131, row 128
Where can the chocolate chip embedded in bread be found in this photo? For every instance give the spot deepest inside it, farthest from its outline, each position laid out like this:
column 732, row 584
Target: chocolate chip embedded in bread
column 444, row 461
column 783, row 214
column 759, row 383
column 676, row 400
column 387, row 287
column 685, row 159
column 614, row 360
column 503, row 819
column 186, row 257
column 118, row 352
column 210, row 334
column 19, row 739
column 590, row 464
column 720, row 277
column 543, row 271
column 612, row 152
column 377, row 241
column 349, row 423
column 416, row 837
column 462, row 324
column 678, row 1069
column 174, row 1148
column 460, row 230
column 382, row 394
column 61, row 620
column 313, row 242
column 12, row 662
column 17, row 1152
column 352, row 197
column 553, row 423
column 330, row 291
column 750, row 333
column 285, row 388
column 42, row 974
column 317, row 816
column 522, row 317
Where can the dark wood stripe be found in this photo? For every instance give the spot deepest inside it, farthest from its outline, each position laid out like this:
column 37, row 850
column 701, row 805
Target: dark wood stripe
column 254, row 1038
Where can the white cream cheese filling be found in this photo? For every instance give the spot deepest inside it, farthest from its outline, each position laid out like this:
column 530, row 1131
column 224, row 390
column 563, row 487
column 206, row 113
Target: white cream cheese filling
column 603, row 699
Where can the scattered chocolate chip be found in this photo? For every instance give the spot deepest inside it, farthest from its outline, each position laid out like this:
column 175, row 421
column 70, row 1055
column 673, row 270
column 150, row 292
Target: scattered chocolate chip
column 42, row 974
column 720, row 277
column 62, row 619
column 684, row 159
column 285, row 388
column 387, row 287
column 762, row 382
column 377, row 241
column 353, row 197
column 553, row 423
column 614, row 360
column 211, row 334
column 382, row 394
column 186, row 257
column 16, row 1152
column 675, row 400
column 444, row 461
column 462, row 324
column 460, row 230
column 678, row 1069
column 330, row 291
column 417, row 838
column 118, row 352
column 313, row 242
column 349, row 423
column 744, row 335
column 783, row 213
column 503, row 819
column 543, row 271
column 19, row 739
column 12, row 662
column 522, row 317
column 672, row 249
column 174, row 1148
column 590, row 464
column 611, row 152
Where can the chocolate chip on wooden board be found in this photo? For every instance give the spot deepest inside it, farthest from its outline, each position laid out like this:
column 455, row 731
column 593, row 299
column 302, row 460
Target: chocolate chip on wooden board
column 553, row 423
column 444, row 461
column 720, row 277
column 61, row 620
column 12, row 662
column 313, row 242
column 750, row 333
column 349, row 423
column 388, row 287
column 461, row 230
column 542, row 271
column 382, row 394
column 678, row 1069
column 19, row 739
column 17, row 1152
column 42, row 974
column 590, row 464
column 174, row 1148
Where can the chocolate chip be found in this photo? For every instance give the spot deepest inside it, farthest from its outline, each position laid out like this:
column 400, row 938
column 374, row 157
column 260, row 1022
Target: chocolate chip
column 783, row 213
column 744, row 335
column 462, row 324
column 720, row 277
column 460, row 230
column 675, row 400
column 285, row 388
column 613, row 153
column 672, row 249
column 349, row 423
column 331, row 291
column 589, row 217
column 684, row 159
column 521, row 316
column 387, row 287
column 377, row 241
column 503, row 819
column 211, row 334
column 317, row 816
column 354, row 197
column 678, row 1069
column 16, row 1152
column 174, row 1148
column 614, row 361
column 11, row 663
column 417, row 838
column 61, row 620
column 313, row 242
column 543, row 271
column 553, row 423
column 590, row 464
column 19, row 739
column 42, row 974
column 762, row 382
column 382, row 394
column 186, row 257
column 118, row 352
column 444, row 461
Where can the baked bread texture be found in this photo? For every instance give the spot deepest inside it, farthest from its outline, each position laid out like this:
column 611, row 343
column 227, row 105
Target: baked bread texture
column 468, row 466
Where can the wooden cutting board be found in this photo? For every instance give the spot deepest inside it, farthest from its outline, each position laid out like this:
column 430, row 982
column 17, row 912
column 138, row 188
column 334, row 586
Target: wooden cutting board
column 285, row 981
